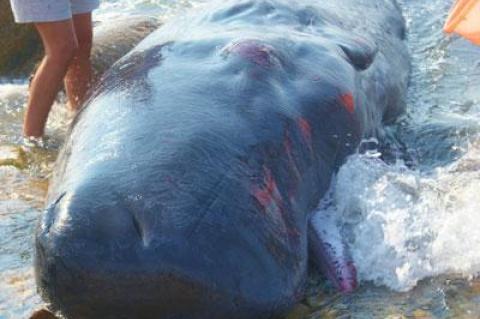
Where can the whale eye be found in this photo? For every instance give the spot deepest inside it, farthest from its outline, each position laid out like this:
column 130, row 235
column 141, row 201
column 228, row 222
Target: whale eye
column 359, row 52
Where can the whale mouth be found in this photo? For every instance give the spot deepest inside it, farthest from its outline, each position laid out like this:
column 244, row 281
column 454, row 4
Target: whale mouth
column 84, row 286
column 90, row 293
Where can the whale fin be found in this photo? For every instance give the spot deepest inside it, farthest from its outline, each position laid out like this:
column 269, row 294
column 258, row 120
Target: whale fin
column 359, row 52
column 329, row 251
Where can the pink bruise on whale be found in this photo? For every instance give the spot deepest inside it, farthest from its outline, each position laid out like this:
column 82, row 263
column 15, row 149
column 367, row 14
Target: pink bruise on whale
column 254, row 51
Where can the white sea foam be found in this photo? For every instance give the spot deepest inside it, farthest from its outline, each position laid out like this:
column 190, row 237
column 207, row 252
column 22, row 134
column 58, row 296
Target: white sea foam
column 403, row 225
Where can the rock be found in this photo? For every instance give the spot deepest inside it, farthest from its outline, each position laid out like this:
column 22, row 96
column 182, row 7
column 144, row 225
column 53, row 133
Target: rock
column 20, row 48
column 43, row 314
column 421, row 314
column 13, row 156
column 113, row 39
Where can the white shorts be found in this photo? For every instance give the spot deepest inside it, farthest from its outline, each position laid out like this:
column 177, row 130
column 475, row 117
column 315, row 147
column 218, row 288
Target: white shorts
column 26, row 11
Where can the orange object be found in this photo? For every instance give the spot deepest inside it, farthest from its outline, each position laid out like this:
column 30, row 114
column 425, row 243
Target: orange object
column 464, row 19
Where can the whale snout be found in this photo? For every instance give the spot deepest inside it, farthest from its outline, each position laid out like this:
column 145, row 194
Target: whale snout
column 100, row 256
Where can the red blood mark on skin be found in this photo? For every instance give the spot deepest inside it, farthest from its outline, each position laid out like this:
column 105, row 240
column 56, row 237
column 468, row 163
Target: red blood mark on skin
column 306, row 131
column 266, row 194
column 287, row 144
column 269, row 197
column 348, row 101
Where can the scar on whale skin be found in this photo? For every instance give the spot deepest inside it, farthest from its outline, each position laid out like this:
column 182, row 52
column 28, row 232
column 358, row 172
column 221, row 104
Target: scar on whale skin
column 287, row 144
column 306, row 130
column 254, row 51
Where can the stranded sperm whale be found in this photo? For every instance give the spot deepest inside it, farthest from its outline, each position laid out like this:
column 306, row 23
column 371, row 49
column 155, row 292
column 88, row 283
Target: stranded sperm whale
column 187, row 183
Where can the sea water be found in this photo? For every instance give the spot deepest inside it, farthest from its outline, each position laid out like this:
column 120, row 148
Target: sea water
column 416, row 217
column 410, row 212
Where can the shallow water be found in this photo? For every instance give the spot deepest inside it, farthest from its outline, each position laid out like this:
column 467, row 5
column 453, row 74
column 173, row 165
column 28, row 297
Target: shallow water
column 410, row 218
column 418, row 217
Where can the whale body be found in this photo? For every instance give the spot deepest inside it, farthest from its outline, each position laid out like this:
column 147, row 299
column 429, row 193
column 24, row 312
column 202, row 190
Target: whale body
column 186, row 185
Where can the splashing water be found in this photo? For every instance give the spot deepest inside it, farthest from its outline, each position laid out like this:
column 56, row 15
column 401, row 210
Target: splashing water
column 406, row 223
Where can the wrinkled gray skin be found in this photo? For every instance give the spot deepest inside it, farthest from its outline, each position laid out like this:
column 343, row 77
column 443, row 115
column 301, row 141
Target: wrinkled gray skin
column 187, row 183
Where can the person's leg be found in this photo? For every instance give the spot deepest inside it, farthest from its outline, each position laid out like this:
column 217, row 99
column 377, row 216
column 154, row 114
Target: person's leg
column 60, row 43
column 79, row 76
